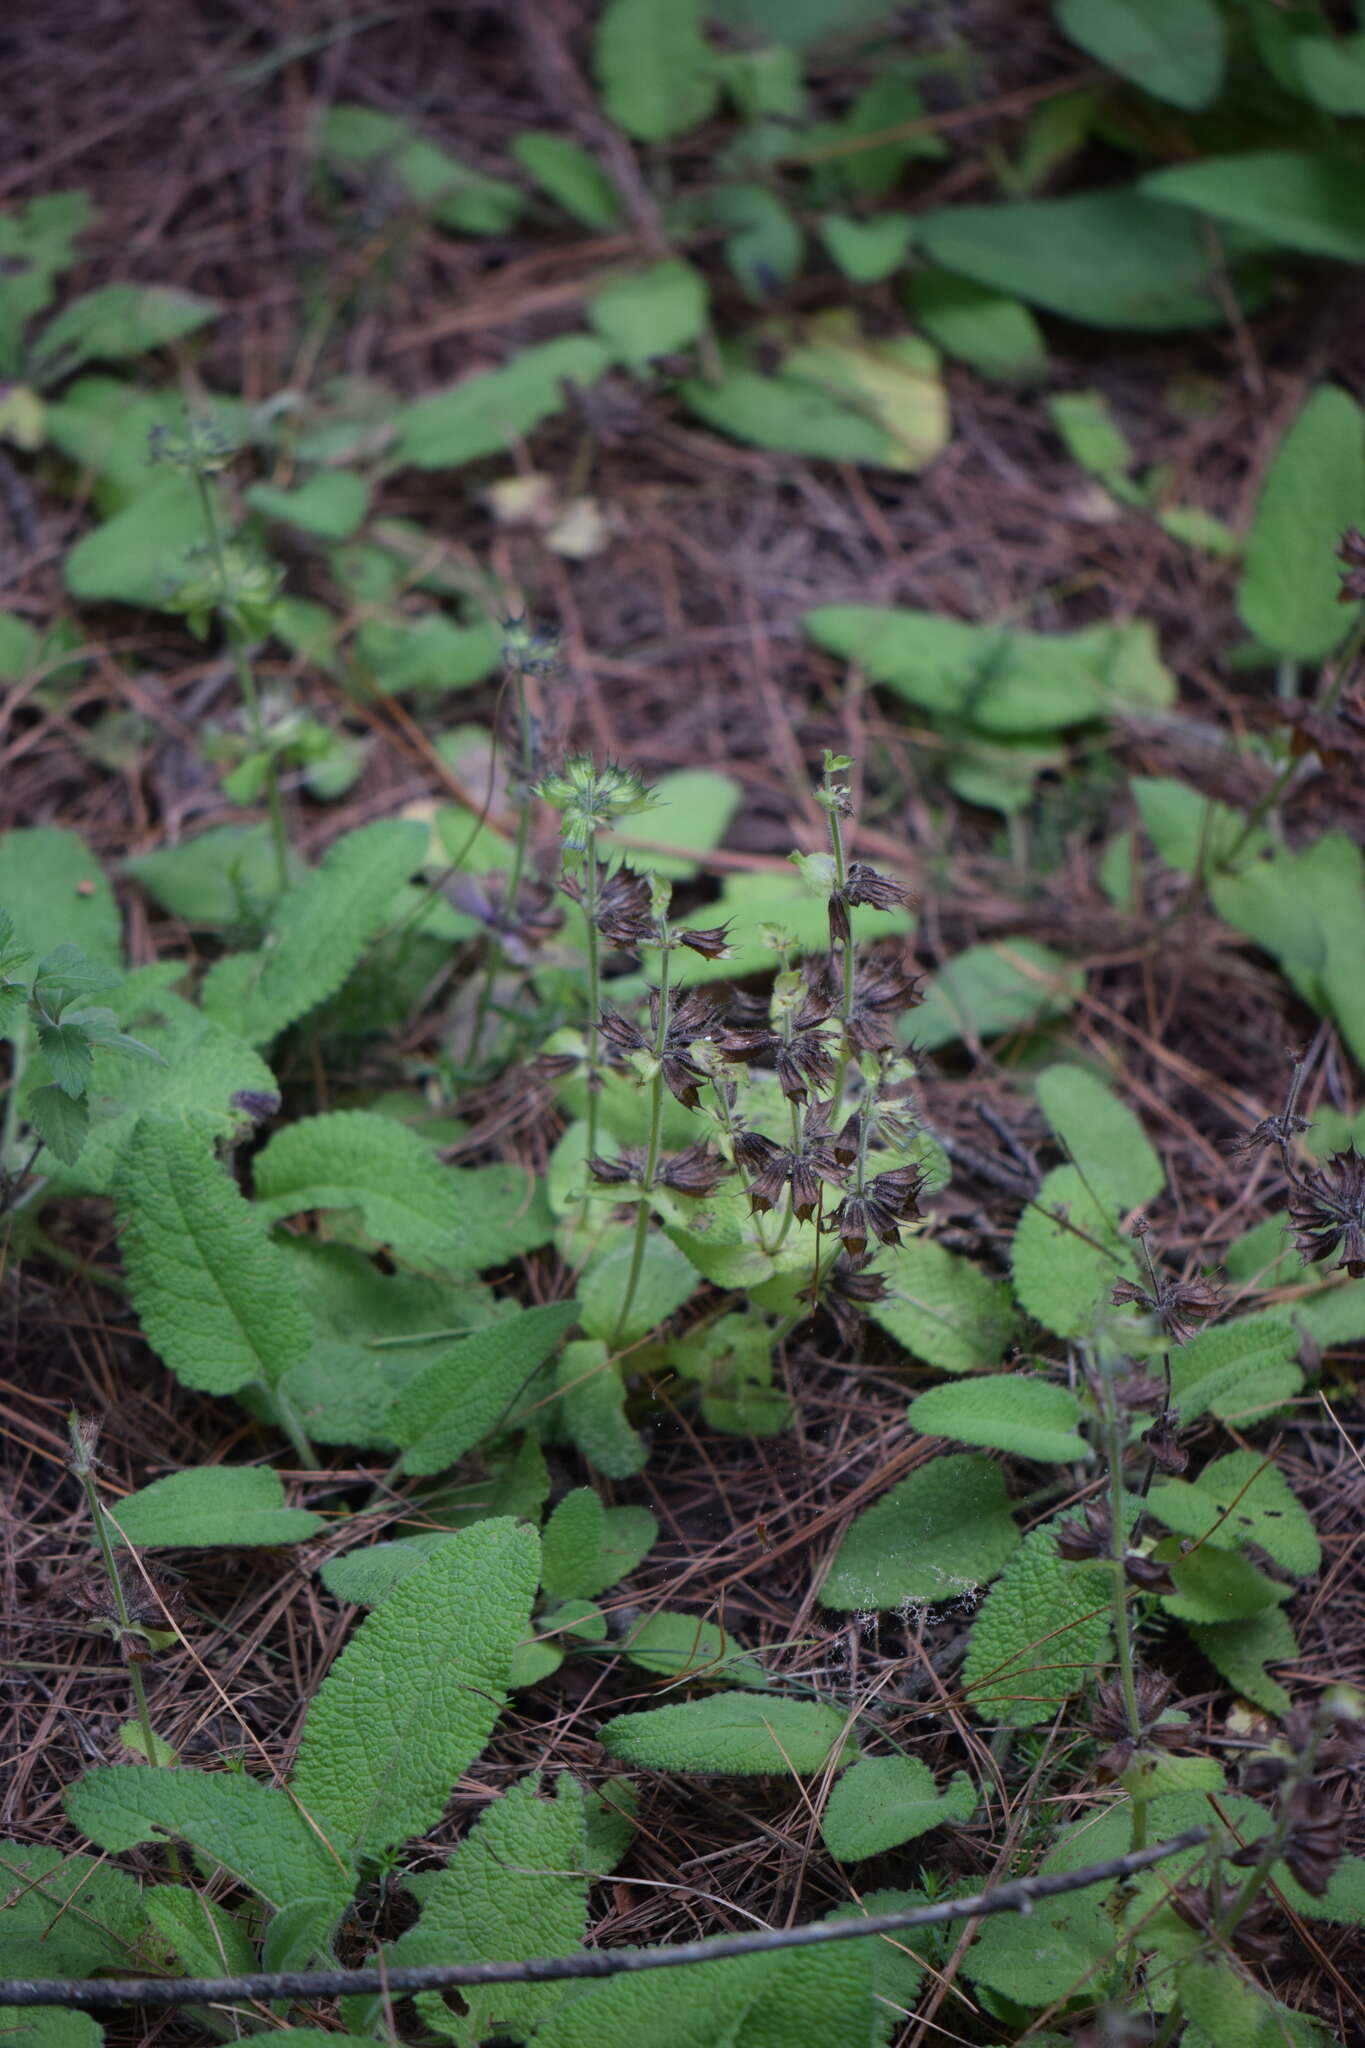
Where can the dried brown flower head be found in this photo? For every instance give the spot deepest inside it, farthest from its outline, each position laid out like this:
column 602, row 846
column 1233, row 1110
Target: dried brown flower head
column 1258, row 1936
column 879, row 1209
column 1109, row 1720
column 621, row 906
column 693, row 1016
column 1351, row 554
column 1327, row 1212
column 1163, row 1443
column 804, row 1058
column 847, row 1293
column 697, row 1171
column 1181, row 1304
column 1091, row 1537
column 862, row 885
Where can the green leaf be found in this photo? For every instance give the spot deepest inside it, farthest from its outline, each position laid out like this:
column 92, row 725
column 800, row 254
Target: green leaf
column 208, row 1941
column 1237, row 1369
column 868, row 250
column 650, row 313
column 145, row 552
column 798, row 2000
column 427, row 653
column 55, row 2026
column 452, row 1220
column 415, row 1694
column 1115, row 258
column 1314, row 490
column 739, row 1734
column 592, row 1398
column 1187, row 828
column 330, row 504
column 475, row 1386
column 120, row 320
column 732, row 1360
column 64, row 1914
column 667, row 1279
column 589, row 1547
column 66, row 1048
column 61, row 1122
column 886, row 1800
column 37, row 242
column 317, row 931
column 207, row 1074
column 942, row 1308
column 986, row 990
column 999, row 680
column 365, row 1578
column 212, row 1292
column 697, row 1652
column 1219, row 1586
column 1315, row 203
column 252, row 1829
column 1229, row 2012
column 692, row 814
column 460, row 199
column 1061, row 1946
column 53, row 888
column 517, row 1886
column 1332, row 71
column 840, row 395
column 656, row 71
column 1106, row 1143
column 797, row 22
column 214, row 1504
column 1240, row 1651
column 940, row 1533
column 1173, row 49
column 765, row 244
column 994, row 335
column 572, row 178
column 1041, row 1632
column 222, row 877
column 1067, row 1255
column 1309, row 910
column 1032, row 1418
column 1092, row 436
column 1267, row 1512
column 488, row 412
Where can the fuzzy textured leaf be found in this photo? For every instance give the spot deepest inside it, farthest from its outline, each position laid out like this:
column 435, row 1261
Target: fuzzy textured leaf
column 1105, row 1140
column 64, row 1914
column 55, row 891
column 942, row 1308
column 1237, row 1368
column 318, row 930
column 1267, row 1511
column 940, row 1533
column 415, row 1694
column 1042, row 1630
column 593, row 1404
column 885, row 1800
column 474, row 1386
column 1067, row 1255
column 1173, row 49
column 658, row 75
column 212, row 1292
column 1315, row 203
column 683, row 1646
column 667, row 1278
column 986, row 990
column 214, row 1504
column 1030, row 1417
column 487, row 413
column 208, row 1940
column 119, row 320
column 737, row 1734
column 439, row 1218
column 589, row 1547
column 1241, row 1650
column 803, row 1999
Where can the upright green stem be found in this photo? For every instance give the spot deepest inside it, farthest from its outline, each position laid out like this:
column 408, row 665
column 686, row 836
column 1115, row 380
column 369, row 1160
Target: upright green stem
column 847, row 960
column 1123, row 1638
column 285, row 1414
column 656, row 1124
column 512, row 886
column 594, row 988
column 785, row 1225
column 1265, row 804
column 82, row 1464
column 246, row 683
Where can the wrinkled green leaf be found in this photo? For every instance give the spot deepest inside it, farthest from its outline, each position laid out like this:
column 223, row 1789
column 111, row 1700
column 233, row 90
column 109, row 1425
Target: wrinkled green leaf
column 214, row 1504
column 475, row 1386
column 1315, row 203
column 656, row 71
column 885, row 1800
column 1173, row 49
column 739, row 1734
column 488, row 412
column 1314, row 490
column 940, row 1533
column 1032, row 1418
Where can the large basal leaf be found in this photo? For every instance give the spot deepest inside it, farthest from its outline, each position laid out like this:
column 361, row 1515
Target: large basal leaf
column 1315, row 203
column 417, row 1691
column 1068, row 1254
column 120, row 320
column 317, row 932
column 211, row 1291
column 443, row 1219
column 804, row 1999
column 145, row 552
column 213, row 1085
column 1314, row 490
column 1103, row 1138
column 649, row 313
column 999, row 680
column 517, row 1886
column 1041, row 1632
column 592, row 1398
column 995, row 335
column 461, row 199
column 1173, row 49
column 885, row 1800
column 208, row 1941
column 489, row 412
column 657, row 73
column 1237, row 1368
column 1308, row 909
column 1009, row 985
column 63, row 1914
column 740, row 1734
column 1109, row 259
column 475, row 1386
column 57, row 895
column 666, row 1279
column 225, row 876
column 252, row 1829
column 1241, row 1650
column 942, row 1308
column 1032, row 1418
column 682, row 1646
column 214, row 1504
column 572, row 178
column 1240, row 1499
column 939, row 1534
column 589, row 1547
column 36, row 243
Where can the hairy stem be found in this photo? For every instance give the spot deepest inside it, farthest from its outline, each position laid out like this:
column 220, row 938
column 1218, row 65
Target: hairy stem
column 594, row 986
column 512, row 886
column 1123, row 1637
column 656, row 1121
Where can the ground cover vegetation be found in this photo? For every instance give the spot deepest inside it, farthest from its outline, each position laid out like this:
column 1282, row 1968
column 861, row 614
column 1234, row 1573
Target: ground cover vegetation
column 682, row 960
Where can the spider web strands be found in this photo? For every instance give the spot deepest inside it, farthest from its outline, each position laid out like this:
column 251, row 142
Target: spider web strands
column 1019, row 1896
